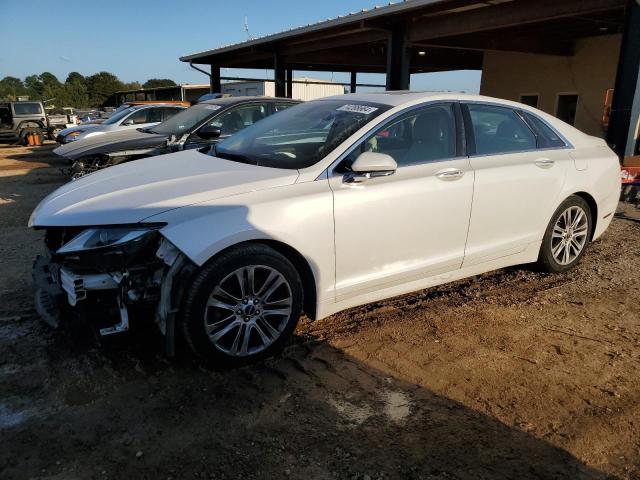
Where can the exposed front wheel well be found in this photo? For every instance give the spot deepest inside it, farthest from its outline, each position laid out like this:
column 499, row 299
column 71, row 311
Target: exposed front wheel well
column 301, row 265
column 593, row 207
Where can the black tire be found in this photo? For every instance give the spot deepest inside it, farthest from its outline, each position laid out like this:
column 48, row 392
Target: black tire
column 210, row 275
column 546, row 260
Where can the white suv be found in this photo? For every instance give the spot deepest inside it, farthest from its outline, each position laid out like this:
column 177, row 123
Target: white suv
column 327, row 205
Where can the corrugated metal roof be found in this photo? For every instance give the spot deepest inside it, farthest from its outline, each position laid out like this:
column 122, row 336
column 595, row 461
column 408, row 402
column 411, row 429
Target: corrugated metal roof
column 352, row 17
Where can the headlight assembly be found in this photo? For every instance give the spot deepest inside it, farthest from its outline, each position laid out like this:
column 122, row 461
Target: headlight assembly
column 73, row 135
column 105, row 237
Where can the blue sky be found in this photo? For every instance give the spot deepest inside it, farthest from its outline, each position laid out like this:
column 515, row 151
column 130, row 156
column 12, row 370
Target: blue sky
column 142, row 39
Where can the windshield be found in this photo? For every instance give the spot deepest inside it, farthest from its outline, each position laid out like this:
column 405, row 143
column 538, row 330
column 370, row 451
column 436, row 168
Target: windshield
column 184, row 121
column 300, row 136
column 116, row 117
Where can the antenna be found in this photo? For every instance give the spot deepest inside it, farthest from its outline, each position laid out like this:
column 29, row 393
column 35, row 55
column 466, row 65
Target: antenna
column 246, row 28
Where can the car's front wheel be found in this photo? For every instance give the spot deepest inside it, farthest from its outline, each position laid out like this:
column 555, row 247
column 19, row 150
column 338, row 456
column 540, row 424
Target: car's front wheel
column 242, row 306
column 566, row 237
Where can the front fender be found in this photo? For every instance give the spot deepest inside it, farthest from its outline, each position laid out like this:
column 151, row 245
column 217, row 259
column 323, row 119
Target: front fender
column 298, row 215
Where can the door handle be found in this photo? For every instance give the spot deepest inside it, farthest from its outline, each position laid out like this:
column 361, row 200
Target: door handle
column 450, row 174
column 545, row 163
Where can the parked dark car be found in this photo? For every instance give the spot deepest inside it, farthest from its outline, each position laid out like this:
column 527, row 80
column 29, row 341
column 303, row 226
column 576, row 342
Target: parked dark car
column 199, row 126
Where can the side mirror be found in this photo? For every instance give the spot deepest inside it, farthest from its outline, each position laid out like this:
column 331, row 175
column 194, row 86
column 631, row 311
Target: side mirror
column 370, row 165
column 127, row 122
column 209, row 132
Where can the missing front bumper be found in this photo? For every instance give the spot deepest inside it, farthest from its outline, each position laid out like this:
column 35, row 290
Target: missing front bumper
column 54, row 282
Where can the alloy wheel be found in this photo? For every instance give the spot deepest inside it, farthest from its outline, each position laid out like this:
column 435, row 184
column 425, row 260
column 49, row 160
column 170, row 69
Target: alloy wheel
column 248, row 310
column 569, row 235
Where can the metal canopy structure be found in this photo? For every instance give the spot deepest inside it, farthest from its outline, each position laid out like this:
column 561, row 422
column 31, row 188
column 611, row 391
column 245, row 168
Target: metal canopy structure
column 418, row 36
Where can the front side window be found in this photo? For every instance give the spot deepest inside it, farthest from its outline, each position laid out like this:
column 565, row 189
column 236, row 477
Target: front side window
column 27, row 108
column 420, row 136
column 239, row 118
column 116, row 117
column 499, row 130
column 300, row 136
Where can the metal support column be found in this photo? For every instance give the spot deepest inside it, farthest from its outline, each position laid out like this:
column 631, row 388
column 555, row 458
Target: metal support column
column 626, row 88
column 279, row 74
column 352, row 87
column 289, row 83
column 398, row 59
column 214, row 85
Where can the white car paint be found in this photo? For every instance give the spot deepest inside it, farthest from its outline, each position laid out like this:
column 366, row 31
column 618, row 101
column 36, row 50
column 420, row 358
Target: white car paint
column 364, row 242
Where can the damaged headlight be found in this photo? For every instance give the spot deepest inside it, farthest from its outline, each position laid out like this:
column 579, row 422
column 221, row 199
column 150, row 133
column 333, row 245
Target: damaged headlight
column 104, row 237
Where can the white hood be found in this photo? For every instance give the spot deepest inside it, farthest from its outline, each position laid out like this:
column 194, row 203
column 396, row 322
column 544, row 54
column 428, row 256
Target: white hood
column 134, row 191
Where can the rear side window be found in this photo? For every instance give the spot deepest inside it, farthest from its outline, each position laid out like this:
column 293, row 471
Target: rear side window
column 154, row 115
column 499, row 130
column 547, row 137
column 170, row 112
column 27, row 108
column 139, row 117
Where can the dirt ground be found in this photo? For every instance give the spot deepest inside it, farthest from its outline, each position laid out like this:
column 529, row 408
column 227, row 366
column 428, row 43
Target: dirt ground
column 513, row 374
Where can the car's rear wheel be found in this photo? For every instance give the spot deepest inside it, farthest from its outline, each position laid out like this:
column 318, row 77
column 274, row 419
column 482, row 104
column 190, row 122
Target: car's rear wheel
column 243, row 305
column 567, row 236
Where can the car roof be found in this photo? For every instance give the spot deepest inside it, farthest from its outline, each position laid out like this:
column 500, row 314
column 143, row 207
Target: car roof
column 149, row 105
column 234, row 100
column 398, row 98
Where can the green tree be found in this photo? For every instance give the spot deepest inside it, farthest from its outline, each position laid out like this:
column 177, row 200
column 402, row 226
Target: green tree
column 158, row 82
column 34, row 87
column 132, row 86
column 101, row 86
column 75, row 88
column 75, row 77
column 52, row 88
column 11, row 88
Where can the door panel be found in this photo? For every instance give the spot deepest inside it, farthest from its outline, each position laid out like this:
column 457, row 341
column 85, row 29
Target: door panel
column 513, row 199
column 391, row 230
column 515, row 192
column 412, row 224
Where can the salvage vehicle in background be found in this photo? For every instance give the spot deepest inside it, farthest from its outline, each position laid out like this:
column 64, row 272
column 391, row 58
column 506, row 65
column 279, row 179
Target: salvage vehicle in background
column 199, row 126
column 328, row 205
column 60, row 118
column 18, row 119
column 139, row 116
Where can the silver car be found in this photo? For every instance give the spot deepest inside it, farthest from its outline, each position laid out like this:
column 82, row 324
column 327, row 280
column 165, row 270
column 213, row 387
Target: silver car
column 139, row 116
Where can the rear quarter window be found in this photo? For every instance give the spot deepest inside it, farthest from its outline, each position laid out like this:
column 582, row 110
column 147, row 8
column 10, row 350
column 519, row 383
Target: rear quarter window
column 27, row 108
column 547, row 137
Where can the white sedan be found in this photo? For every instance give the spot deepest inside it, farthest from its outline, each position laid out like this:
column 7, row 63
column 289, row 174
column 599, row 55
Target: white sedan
column 327, row 205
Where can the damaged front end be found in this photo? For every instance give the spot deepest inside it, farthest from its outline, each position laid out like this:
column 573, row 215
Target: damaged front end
column 102, row 273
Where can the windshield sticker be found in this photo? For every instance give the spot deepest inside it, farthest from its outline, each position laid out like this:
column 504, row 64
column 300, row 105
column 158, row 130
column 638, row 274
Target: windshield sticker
column 212, row 107
column 365, row 109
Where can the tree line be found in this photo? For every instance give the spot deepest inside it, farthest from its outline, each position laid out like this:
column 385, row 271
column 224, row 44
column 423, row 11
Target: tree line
column 76, row 91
